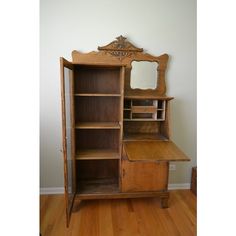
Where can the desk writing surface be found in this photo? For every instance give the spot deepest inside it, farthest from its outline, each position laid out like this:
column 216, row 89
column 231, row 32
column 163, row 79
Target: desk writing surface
column 153, row 150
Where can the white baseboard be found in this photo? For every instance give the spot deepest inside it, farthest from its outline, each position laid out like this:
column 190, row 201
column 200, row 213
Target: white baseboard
column 60, row 190
column 178, row 186
column 57, row 190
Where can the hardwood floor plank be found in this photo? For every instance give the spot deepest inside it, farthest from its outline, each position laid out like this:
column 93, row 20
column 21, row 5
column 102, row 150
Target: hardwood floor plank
column 59, row 228
column 190, row 199
column 147, row 224
column 162, row 216
column 48, row 220
column 181, row 216
column 124, row 222
column 105, row 218
column 89, row 219
column 120, row 217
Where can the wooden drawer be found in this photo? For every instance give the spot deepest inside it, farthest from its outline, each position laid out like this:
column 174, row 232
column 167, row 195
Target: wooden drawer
column 140, row 176
column 144, row 109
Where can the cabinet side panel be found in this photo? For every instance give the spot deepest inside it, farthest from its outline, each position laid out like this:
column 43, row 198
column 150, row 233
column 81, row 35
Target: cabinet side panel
column 165, row 125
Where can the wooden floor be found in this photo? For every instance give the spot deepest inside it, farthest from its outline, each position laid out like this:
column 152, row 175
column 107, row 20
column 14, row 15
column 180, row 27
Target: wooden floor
column 125, row 217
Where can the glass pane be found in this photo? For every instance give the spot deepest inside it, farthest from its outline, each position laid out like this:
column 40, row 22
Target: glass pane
column 67, row 82
column 144, row 75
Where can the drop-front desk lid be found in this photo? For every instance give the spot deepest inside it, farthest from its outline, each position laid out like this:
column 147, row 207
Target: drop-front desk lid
column 153, row 151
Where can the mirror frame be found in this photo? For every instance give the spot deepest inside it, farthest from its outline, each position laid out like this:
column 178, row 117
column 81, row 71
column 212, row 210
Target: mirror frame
column 151, row 80
column 160, row 89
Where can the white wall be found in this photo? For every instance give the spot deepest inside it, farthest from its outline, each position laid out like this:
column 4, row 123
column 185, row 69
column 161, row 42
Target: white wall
column 158, row 26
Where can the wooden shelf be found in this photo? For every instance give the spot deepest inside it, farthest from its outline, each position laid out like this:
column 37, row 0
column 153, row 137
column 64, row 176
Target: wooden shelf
column 97, row 186
column 151, row 119
column 153, row 97
column 97, row 125
column 97, row 154
column 143, row 136
column 97, row 95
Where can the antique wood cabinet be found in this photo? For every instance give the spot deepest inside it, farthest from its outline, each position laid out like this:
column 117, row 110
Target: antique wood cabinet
column 116, row 139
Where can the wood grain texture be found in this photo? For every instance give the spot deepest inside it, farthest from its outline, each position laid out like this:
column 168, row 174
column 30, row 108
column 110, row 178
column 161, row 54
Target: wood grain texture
column 143, row 137
column 144, row 176
column 97, row 80
column 153, row 150
column 144, row 127
column 165, row 125
column 97, row 125
column 143, row 109
column 96, row 169
column 147, row 96
column 97, row 95
column 120, row 217
column 99, row 154
column 119, row 195
column 97, row 109
column 97, row 139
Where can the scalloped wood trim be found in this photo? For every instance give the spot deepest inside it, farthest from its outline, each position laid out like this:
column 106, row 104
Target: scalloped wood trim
column 122, row 52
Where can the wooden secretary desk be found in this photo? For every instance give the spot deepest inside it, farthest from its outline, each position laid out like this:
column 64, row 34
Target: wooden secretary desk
column 116, row 139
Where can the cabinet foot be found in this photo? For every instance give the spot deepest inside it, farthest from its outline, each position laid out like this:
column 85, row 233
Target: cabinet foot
column 165, row 201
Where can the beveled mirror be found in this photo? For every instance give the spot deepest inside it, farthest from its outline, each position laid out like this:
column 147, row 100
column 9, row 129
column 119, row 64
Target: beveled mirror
column 144, row 75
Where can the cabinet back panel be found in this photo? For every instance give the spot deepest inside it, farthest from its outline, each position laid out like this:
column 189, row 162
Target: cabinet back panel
column 97, row 169
column 97, row 80
column 97, row 139
column 142, row 116
column 97, row 109
column 141, row 127
column 142, row 102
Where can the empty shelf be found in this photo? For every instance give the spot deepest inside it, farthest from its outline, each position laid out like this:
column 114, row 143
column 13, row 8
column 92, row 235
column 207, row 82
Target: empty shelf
column 98, row 94
column 97, row 154
column 97, row 186
column 97, row 125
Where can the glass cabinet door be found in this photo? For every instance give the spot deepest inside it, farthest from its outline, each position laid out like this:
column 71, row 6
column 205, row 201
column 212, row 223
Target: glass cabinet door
column 67, row 84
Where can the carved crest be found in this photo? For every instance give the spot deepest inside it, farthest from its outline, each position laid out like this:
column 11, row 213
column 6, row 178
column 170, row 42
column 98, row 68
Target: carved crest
column 120, row 48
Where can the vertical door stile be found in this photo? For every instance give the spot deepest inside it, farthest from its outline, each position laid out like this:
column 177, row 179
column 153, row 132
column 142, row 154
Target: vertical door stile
column 67, row 103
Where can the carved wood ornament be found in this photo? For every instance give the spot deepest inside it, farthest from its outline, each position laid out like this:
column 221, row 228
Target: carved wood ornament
column 120, row 48
column 122, row 52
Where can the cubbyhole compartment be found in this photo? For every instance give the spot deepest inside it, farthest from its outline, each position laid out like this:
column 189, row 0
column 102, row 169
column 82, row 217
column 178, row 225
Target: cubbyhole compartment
column 127, row 114
column 160, row 104
column 142, row 116
column 142, row 102
column 160, row 115
column 127, row 104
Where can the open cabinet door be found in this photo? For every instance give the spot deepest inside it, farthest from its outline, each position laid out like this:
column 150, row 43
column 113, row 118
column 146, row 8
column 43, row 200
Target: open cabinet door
column 67, row 88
